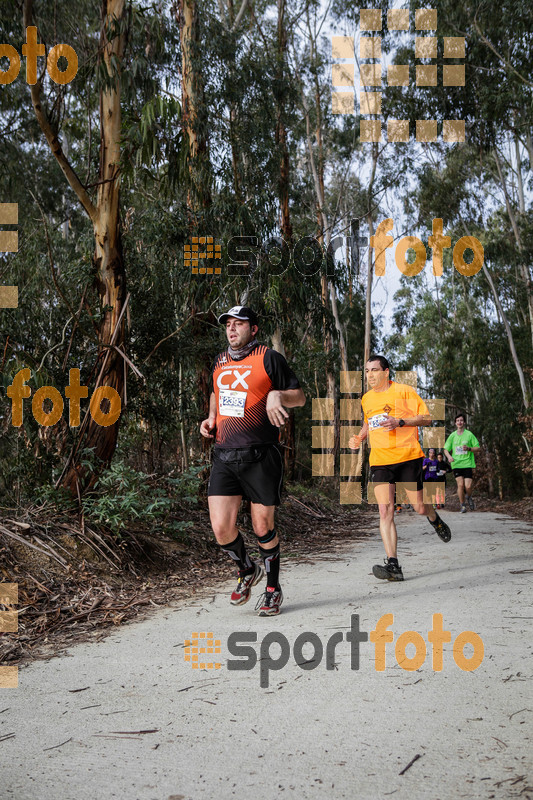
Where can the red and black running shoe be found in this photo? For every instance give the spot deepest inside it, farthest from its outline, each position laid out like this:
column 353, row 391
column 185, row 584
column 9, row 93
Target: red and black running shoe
column 241, row 593
column 269, row 603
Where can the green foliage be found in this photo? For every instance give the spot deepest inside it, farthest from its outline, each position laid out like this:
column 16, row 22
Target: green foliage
column 454, row 335
column 125, row 498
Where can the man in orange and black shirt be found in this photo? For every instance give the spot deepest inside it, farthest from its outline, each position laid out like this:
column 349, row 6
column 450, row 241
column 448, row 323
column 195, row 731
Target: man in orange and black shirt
column 393, row 412
column 252, row 386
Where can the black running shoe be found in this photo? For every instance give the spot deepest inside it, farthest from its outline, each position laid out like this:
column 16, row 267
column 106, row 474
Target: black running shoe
column 470, row 502
column 388, row 571
column 443, row 531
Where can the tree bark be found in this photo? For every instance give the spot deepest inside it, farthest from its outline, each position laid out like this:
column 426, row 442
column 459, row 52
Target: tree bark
column 194, row 126
column 281, row 133
column 185, row 457
column 193, row 108
column 510, row 339
column 524, row 269
column 285, row 216
column 108, row 258
column 370, row 271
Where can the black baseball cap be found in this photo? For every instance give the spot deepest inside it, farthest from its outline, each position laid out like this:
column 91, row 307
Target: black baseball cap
column 239, row 312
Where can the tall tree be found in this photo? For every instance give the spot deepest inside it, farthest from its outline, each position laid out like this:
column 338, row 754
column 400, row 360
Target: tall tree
column 194, row 111
column 104, row 215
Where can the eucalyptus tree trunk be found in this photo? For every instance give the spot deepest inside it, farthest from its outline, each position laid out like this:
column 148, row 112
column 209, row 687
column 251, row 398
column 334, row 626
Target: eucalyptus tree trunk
column 195, row 131
column 108, row 256
column 108, row 260
column 285, row 217
column 193, row 108
column 324, row 228
column 524, row 269
column 526, row 397
column 370, row 269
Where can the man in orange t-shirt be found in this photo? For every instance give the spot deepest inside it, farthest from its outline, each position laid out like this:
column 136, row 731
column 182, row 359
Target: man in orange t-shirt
column 393, row 412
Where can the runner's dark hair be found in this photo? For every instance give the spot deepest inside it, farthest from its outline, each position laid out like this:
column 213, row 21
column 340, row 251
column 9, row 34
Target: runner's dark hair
column 460, row 414
column 382, row 360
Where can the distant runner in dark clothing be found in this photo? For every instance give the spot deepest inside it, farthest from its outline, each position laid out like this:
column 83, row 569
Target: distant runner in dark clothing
column 430, row 466
column 429, row 470
column 442, row 471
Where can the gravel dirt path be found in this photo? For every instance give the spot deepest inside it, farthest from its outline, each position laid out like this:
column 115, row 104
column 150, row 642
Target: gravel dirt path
column 127, row 717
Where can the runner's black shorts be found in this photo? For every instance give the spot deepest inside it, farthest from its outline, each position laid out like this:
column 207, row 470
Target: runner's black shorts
column 464, row 472
column 405, row 472
column 255, row 473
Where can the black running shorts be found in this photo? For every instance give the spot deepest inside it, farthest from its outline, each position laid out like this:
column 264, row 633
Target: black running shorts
column 463, row 472
column 255, row 473
column 405, row 472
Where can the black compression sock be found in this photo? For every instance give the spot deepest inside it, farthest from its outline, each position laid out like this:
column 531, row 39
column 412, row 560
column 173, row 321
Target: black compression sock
column 271, row 559
column 237, row 551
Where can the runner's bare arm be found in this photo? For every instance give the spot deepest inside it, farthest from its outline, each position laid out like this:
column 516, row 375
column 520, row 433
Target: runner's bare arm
column 473, row 449
column 277, row 399
column 208, row 424
column 448, row 456
column 358, row 438
column 291, row 398
column 422, row 420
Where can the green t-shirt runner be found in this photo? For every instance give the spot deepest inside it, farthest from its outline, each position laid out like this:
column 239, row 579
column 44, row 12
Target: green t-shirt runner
column 462, row 459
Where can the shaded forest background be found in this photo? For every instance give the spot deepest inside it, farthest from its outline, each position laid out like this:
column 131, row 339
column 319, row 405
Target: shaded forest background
column 203, row 118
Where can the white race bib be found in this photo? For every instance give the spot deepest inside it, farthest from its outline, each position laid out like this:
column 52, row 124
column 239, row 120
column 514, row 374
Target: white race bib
column 460, row 450
column 231, row 403
column 375, row 422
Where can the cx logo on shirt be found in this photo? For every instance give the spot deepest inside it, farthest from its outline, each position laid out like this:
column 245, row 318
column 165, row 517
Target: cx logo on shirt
column 240, row 379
